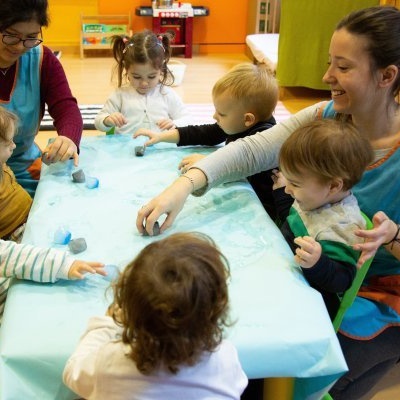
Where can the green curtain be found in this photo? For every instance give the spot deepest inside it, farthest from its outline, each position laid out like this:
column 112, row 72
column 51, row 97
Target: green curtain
column 305, row 32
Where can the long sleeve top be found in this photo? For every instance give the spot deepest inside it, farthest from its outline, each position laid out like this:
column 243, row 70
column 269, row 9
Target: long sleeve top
column 100, row 364
column 143, row 111
column 15, row 203
column 379, row 189
column 55, row 92
column 333, row 226
column 212, row 135
column 24, row 261
column 252, row 154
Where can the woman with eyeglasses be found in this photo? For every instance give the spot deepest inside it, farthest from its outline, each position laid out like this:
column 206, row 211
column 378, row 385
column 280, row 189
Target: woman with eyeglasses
column 31, row 76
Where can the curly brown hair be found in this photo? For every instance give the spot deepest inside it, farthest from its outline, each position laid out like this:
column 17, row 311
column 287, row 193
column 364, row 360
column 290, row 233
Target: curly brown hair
column 174, row 302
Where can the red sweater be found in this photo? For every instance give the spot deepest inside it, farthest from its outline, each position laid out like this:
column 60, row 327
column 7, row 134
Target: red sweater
column 55, row 92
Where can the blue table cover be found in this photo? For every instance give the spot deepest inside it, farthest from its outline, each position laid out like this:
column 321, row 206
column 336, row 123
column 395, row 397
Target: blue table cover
column 282, row 328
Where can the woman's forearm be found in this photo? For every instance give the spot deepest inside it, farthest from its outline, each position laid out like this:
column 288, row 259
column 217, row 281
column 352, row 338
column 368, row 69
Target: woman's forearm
column 252, row 154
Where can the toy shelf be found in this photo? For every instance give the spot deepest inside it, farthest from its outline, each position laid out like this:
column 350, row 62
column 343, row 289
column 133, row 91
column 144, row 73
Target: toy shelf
column 97, row 30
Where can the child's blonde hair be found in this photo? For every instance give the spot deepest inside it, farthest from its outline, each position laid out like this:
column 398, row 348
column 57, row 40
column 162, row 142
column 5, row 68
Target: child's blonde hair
column 254, row 85
column 327, row 149
column 174, row 302
column 142, row 48
column 8, row 123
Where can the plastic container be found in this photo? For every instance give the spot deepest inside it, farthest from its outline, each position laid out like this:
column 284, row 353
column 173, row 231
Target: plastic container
column 178, row 69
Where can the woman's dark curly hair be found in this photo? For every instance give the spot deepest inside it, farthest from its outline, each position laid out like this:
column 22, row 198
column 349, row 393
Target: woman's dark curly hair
column 174, row 302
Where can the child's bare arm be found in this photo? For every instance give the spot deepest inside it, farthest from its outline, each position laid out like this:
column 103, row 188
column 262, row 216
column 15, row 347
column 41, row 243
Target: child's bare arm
column 171, row 136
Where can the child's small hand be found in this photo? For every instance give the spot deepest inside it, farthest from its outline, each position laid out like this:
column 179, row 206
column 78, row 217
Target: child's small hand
column 79, row 268
column 115, row 119
column 165, row 124
column 278, row 179
column 308, row 252
column 153, row 136
column 188, row 161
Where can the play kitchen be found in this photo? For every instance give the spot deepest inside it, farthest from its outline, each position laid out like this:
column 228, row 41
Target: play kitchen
column 174, row 17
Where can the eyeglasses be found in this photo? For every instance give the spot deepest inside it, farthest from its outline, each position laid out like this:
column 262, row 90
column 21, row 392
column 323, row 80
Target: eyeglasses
column 28, row 43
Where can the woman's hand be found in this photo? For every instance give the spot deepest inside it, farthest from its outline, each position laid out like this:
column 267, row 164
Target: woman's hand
column 79, row 268
column 115, row 119
column 61, row 149
column 169, row 202
column 153, row 136
column 383, row 232
column 188, row 161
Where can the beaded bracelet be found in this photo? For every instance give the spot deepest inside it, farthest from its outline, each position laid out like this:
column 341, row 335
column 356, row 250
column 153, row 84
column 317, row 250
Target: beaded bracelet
column 190, row 179
column 395, row 239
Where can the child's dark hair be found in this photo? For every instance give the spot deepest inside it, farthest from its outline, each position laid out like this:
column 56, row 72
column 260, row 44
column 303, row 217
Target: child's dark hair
column 174, row 301
column 143, row 47
column 327, row 149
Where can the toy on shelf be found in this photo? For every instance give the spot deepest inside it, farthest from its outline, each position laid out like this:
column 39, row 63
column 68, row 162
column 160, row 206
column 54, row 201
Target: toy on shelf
column 97, row 30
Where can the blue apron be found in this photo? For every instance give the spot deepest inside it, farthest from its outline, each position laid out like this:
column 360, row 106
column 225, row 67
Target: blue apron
column 377, row 305
column 25, row 102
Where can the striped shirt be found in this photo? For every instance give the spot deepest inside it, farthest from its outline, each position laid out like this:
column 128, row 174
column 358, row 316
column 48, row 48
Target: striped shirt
column 24, row 261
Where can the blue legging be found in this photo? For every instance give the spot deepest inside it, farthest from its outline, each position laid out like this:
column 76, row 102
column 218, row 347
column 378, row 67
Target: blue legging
column 368, row 362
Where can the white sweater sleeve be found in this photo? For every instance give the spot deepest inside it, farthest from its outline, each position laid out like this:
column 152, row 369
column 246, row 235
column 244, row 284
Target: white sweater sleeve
column 24, row 261
column 177, row 110
column 252, row 154
column 113, row 104
column 81, row 369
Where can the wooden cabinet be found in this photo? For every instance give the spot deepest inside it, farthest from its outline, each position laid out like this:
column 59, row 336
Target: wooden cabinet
column 97, row 30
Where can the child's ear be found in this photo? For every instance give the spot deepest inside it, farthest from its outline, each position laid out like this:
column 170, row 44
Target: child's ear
column 249, row 119
column 336, row 185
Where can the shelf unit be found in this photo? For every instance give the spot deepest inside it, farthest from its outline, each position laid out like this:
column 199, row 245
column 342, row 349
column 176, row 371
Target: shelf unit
column 264, row 16
column 96, row 30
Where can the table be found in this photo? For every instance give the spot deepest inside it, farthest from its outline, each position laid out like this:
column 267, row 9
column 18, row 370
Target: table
column 282, row 327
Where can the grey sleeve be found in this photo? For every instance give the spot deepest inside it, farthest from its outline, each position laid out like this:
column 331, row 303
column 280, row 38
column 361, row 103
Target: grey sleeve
column 252, row 154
